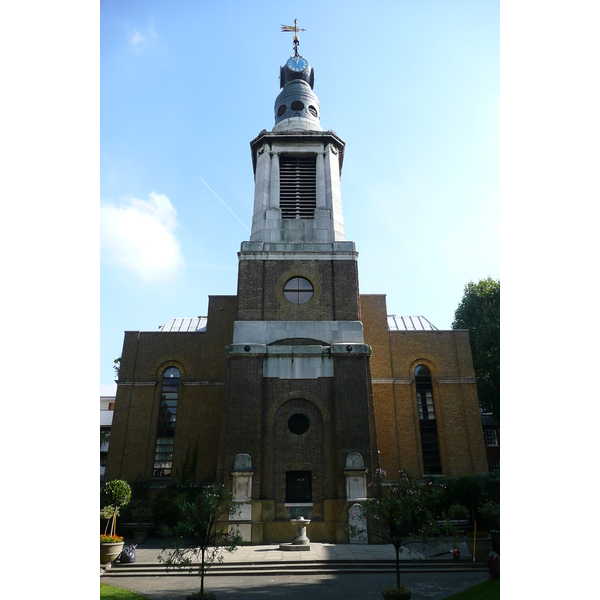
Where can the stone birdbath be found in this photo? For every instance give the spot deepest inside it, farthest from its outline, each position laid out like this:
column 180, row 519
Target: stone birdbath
column 300, row 541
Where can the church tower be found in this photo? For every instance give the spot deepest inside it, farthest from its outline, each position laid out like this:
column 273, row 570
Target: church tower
column 298, row 427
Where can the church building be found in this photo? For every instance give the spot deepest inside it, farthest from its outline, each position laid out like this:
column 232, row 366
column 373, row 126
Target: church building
column 293, row 392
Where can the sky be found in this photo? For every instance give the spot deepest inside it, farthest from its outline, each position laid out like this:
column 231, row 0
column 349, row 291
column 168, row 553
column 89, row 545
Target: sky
column 413, row 88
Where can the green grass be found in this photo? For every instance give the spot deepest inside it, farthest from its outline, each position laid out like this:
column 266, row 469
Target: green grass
column 488, row 590
column 108, row 592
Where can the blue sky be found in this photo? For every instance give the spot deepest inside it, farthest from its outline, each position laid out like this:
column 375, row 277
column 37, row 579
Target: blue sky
column 412, row 87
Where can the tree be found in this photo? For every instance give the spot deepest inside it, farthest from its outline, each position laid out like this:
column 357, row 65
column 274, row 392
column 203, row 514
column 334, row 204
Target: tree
column 114, row 495
column 199, row 537
column 404, row 513
column 479, row 312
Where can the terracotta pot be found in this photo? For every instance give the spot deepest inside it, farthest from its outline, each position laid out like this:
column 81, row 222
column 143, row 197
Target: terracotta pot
column 110, row 552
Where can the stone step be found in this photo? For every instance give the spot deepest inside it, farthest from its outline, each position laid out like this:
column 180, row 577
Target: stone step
column 299, row 568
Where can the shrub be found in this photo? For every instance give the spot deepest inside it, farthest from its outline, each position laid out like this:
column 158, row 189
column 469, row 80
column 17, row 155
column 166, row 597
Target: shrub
column 458, row 511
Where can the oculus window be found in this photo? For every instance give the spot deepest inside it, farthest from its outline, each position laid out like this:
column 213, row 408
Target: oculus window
column 298, row 424
column 298, row 290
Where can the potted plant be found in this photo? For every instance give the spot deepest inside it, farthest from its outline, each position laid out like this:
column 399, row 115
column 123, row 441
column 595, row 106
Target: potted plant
column 403, row 513
column 199, row 536
column 114, row 495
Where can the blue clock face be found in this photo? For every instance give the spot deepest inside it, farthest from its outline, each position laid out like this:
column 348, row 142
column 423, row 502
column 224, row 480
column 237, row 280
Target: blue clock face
column 297, row 64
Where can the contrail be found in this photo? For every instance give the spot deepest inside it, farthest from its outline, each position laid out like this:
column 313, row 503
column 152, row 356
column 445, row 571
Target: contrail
column 225, row 205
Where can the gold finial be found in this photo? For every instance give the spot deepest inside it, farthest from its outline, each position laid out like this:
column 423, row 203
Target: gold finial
column 295, row 29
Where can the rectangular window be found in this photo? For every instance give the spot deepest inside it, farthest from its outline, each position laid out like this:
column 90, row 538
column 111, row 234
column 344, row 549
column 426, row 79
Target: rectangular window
column 425, row 405
column 494, row 465
column 491, row 438
column 163, row 457
column 298, row 487
column 297, row 186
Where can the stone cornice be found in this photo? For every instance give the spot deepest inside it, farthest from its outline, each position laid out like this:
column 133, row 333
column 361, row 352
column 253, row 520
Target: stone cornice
column 404, row 381
column 183, row 383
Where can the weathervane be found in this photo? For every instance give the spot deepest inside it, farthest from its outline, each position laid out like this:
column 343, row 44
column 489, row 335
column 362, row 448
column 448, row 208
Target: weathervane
column 295, row 29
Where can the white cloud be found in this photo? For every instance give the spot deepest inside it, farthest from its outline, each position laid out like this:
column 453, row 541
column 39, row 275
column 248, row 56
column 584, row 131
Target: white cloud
column 136, row 38
column 140, row 236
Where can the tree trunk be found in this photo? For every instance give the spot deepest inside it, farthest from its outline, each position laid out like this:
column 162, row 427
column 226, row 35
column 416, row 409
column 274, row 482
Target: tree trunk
column 202, row 575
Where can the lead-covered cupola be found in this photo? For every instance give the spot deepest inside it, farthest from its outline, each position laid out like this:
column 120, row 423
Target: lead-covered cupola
column 297, row 106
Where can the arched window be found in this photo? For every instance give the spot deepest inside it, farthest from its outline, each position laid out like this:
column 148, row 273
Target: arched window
column 167, row 416
column 427, row 423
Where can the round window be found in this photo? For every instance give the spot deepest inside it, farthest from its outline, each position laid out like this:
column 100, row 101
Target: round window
column 298, row 290
column 298, row 424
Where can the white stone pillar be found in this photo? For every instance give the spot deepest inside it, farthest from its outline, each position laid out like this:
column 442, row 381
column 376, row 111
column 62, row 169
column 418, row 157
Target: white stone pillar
column 321, row 196
column 274, row 189
column 262, row 184
column 334, row 192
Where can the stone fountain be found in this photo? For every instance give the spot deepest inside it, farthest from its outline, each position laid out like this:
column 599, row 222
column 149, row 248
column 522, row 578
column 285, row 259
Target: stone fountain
column 300, row 541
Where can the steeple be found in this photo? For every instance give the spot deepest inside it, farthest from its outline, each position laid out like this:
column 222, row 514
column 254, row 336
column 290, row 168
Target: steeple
column 297, row 106
column 297, row 166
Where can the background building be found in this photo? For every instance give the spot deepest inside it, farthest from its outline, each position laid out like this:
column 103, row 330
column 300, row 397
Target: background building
column 107, row 407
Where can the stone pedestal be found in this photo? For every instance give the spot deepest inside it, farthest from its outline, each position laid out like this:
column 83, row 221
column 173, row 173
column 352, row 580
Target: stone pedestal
column 300, row 541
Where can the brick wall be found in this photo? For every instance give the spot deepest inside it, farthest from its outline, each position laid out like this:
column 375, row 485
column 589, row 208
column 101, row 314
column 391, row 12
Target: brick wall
column 260, row 290
column 447, row 354
column 200, row 358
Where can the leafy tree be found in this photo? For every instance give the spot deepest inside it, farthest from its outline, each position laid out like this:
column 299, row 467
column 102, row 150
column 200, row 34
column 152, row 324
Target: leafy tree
column 199, row 537
column 405, row 512
column 467, row 491
column 479, row 312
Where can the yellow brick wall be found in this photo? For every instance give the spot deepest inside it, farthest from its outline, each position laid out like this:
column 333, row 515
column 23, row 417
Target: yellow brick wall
column 200, row 356
column 447, row 354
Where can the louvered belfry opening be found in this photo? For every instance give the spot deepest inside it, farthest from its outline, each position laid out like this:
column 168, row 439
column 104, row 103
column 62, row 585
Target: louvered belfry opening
column 298, row 186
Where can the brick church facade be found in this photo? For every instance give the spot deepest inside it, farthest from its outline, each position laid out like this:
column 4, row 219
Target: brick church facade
column 293, row 392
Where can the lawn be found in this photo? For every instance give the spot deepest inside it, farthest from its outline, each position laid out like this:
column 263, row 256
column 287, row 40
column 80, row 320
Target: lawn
column 108, row 592
column 488, row 590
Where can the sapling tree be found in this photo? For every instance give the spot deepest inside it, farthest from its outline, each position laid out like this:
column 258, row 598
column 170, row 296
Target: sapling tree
column 202, row 533
column 114, row 495
column 404, row 513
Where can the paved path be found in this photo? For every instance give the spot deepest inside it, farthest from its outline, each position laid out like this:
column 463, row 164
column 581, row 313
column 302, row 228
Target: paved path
column 426, row 586
column 313, row 585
